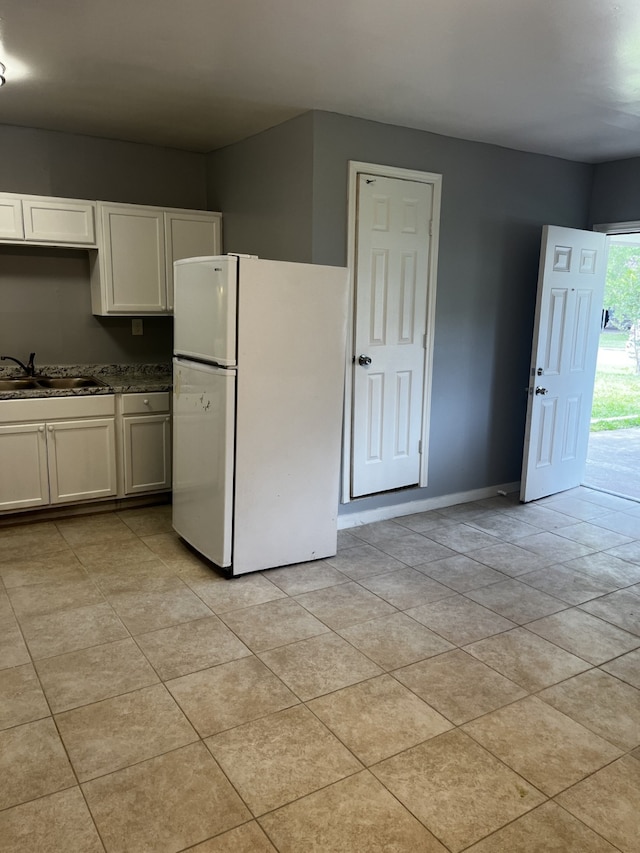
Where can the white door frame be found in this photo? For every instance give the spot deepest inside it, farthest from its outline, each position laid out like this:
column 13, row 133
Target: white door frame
column 631, row 226
column 619, row 227
column 355, row 168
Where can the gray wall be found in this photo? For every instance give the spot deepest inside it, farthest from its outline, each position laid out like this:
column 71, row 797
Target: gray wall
column 616, row 192
column 44, row 294
column 494, row 204
column 264, row 185
column 284, row 195
column 44, row 162
column 46, row 307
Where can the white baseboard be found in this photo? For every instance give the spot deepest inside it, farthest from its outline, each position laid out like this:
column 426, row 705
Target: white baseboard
column 367, row 516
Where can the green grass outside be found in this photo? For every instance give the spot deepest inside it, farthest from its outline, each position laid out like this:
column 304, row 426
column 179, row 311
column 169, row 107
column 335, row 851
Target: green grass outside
column 613, row 340
column 616, row 395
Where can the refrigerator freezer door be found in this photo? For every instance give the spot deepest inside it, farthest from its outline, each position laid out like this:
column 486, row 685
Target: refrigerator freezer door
column 205, row 309
column 203, row 451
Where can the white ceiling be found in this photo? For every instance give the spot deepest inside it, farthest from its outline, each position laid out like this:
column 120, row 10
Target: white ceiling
column 557, row 77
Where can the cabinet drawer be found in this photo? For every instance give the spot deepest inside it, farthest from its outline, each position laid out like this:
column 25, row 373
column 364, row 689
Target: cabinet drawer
column 143, row 404
column 56, row 408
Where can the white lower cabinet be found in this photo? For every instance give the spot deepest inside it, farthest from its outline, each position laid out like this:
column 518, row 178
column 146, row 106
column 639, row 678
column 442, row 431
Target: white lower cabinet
column 23, row 461
column 146, row 442
column 47, row 458
column 82, row 460
column 63, row 450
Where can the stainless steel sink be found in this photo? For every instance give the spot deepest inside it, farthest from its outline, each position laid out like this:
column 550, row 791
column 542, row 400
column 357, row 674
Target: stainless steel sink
column 18, row 384
column 27, row 383
column 69, row 382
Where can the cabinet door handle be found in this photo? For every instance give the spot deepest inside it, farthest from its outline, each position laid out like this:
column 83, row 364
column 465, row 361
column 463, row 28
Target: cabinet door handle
column 40, row 429
column 146, row 402
column 50, row 428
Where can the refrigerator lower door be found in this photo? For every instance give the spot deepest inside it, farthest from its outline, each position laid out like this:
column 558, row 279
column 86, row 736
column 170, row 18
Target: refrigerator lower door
column 203, row 453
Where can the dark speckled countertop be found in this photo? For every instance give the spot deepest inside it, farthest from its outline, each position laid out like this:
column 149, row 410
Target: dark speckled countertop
column 118, row 379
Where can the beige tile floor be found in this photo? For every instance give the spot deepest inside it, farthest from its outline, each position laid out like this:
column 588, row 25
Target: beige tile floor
column 466, row 679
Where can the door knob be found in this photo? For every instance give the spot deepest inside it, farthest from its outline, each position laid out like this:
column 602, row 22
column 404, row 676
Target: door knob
column 540, row 390
column 364, row 360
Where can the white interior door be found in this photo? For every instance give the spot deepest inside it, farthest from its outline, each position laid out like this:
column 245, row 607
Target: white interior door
column 392, row 270
column 573, row 267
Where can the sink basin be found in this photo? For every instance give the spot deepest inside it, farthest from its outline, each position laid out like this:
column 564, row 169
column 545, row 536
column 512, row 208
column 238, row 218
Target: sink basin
column 18, row 384
column 26, row 383
column 68, row 382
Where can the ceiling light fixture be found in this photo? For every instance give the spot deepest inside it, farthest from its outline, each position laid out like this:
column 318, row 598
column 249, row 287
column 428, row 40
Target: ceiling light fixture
column 2, row 77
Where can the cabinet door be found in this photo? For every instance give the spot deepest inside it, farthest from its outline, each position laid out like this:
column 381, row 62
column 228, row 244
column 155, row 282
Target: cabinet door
column 133, row 260
column 82, row 459
column 11, row 227
column 190, row 235
column 59, row 221
column 147, row 453
column 23, row 463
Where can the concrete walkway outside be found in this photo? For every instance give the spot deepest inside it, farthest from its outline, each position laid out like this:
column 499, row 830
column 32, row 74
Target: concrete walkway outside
column 613, row 462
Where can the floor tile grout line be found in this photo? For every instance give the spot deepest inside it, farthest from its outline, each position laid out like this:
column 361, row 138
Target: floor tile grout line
column 399, row 610
column 623, row 749
column 549, row 800
column 329, row 628
column 301, row 700
column 580, row 821
column 528, row 781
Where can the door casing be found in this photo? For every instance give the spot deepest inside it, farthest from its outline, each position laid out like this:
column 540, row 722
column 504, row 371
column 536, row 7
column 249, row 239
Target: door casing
column 355, row 168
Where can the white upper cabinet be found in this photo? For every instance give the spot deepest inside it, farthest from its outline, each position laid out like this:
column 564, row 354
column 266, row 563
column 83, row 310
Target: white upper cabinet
column 129, row 277
column 59, row 221
column 189, row 235
column 47, row 221
column 11, row 226
column 133, row 271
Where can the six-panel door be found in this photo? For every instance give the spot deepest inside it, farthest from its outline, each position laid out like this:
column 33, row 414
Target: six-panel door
column 391, row 313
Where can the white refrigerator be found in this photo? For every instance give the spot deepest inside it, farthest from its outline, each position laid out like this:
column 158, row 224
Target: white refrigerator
column 258, row 381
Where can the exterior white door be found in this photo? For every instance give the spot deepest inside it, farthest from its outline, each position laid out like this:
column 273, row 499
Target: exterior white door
column 571, row 279
column 392, row 272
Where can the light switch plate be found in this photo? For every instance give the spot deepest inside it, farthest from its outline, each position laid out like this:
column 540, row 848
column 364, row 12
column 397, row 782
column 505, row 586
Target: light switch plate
column 136, row 327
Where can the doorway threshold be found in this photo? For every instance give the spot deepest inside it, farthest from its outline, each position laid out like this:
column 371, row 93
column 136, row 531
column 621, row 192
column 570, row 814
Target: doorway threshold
column 613, row 463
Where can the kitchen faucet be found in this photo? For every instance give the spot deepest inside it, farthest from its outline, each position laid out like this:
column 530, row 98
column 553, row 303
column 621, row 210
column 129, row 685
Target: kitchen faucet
column 29, row 368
